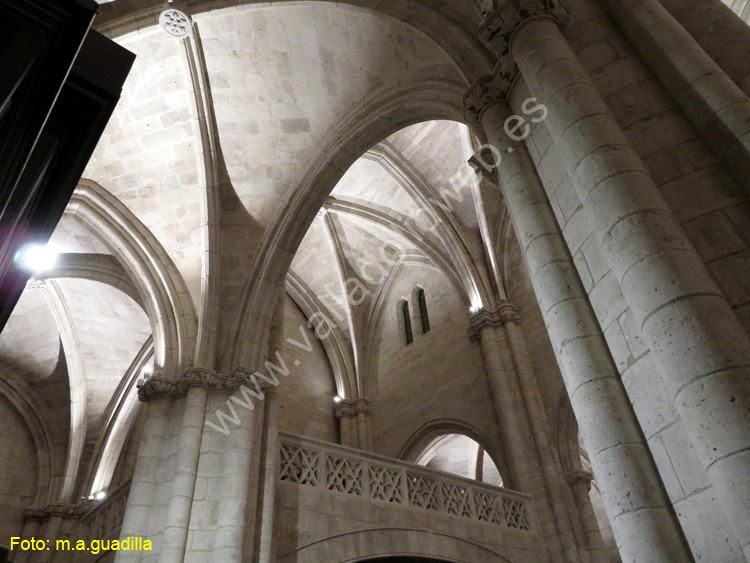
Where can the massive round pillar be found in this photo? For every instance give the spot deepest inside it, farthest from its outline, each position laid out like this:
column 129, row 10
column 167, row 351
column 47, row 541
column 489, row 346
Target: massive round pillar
column 703, row 350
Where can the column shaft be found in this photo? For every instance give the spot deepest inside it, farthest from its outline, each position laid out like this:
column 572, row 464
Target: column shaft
column 637, row 505
column 723, row 34
column 710, row 99
column 512, row 428
column 238, row 488
column 264, row 545
column 536, row 417
column 502, row 396
column 143, row 488
column 703, row 350
column 186, row 470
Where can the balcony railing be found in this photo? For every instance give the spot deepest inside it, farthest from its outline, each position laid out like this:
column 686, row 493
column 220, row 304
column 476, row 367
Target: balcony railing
column 105, row 520
column 336, row 468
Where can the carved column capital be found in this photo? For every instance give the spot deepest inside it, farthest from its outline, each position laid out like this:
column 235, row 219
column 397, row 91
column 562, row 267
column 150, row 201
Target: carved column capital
column 579, row 476
column 508, row 313
column 34, row 515
column 157, row 386
column 363, row 406
column 483, row 93
column 496, row 33
column 353, row 408
column 58, row 510
column 505, row 313
column 498, row 29
column 346, row 410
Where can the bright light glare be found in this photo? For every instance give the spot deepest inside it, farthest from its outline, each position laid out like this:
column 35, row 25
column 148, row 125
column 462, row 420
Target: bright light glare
column 100, row 495
column 337, row 399
column 36, row 258
column 474, row 308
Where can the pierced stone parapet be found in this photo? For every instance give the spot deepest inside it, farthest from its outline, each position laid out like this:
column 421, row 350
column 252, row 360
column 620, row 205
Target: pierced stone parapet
column 156, row 386
column 342, row 470
column 505, row 313
column 104, row 521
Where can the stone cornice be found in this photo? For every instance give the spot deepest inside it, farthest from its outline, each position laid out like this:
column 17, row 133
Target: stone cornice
column 496, row 33
column 156, row 386
column 505, row 313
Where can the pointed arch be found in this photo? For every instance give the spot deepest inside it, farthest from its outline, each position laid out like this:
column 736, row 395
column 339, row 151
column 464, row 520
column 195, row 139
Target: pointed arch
column 377, row 118
column 162, row 289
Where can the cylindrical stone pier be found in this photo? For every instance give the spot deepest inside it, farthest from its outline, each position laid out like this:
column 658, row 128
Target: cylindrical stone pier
column 703, row 350
column 186, row 470
column 644, row 525
column 710, row 99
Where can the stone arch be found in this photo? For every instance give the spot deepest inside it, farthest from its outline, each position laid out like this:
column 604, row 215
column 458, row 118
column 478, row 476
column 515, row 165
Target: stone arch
column 342, row 363
column 428, row 433
column 383, row 542
column 95, row 267
column 32, row 413
column 120, row 417
column 160, row 285
column 442, row 262
column 377, row 118
column 454, row 31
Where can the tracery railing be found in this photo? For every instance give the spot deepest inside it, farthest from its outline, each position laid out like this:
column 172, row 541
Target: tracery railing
column 105, row 520
column 336, row 468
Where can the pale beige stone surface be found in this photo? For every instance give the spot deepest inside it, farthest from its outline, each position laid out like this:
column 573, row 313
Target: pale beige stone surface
column 290, row 175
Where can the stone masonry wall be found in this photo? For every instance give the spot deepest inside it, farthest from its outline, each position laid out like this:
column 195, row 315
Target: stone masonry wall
column 18, row 471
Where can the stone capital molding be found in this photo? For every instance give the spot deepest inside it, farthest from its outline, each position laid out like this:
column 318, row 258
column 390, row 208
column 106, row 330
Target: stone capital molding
column 352, row 408
column 496, row 33
column 579, row 476
column 498, row 29
column 156, row 386
column 58, row 510
column 505, row 313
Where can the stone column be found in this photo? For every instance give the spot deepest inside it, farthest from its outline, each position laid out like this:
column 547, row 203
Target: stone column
column 580, row 484
column 363, row 408
column 637, row 505
column 514, row 428
column 715, row 105
column 721, row 32
column 186, row 470
column 143, row 488
column 238, row 487
column 537, row 420
column 483, row 324
column 703, row 350
column 346, row 413
column 32, row 523
column 264, row 545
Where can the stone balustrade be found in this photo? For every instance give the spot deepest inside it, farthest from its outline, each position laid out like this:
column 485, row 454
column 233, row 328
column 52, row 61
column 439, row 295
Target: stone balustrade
column 105, row 520
column 381, row 479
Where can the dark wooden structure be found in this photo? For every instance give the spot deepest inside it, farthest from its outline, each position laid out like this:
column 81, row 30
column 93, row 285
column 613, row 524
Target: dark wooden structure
column 59, row 83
